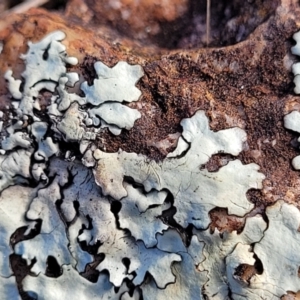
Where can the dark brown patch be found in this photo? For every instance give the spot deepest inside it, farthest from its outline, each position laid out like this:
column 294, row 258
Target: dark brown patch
column 20, row 270
column 223, row 222
column 88, row 70
column 245, row 272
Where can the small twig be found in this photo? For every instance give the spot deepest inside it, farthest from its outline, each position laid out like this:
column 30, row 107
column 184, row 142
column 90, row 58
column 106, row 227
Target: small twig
column 207, row 22
column 23, row 7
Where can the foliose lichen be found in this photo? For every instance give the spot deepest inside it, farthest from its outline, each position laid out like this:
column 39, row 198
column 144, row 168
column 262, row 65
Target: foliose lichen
column 111, row 212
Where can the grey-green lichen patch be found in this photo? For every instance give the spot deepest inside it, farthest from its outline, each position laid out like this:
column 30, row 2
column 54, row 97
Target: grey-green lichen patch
column 292, row 122
column 112, row 87
column 12, row 217
column 140, row 225
column 46, row 146
column 45, row 63
column 142, row 261
column 114, row 113
column 15, row 138
column 114, row 84
column 70, row 285
column 52, row 240
column 185, row 287
column 15, row 168
column 81, row 257
column 296, row 67
column 13, row 85
column 195, row 191
column 280, row 262
column 44, row 245
column 181, row 147
column 115, row 243
column 9, row 288
column 64, row 98
column 218, row 247
column 140, row 214
column 71, row 125
column 46, row 69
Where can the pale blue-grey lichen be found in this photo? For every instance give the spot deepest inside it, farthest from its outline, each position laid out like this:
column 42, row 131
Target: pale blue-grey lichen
column 73, row 200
